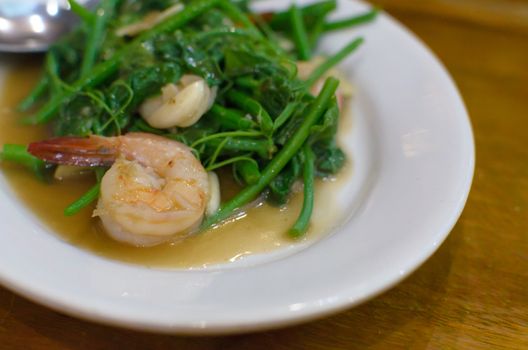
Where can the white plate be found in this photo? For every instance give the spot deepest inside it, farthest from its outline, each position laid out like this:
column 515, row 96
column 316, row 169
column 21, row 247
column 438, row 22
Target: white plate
column 413, row 155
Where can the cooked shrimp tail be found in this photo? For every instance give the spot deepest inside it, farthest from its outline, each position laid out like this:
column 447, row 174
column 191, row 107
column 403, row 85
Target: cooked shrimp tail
column 154, row 191
column 78, row 151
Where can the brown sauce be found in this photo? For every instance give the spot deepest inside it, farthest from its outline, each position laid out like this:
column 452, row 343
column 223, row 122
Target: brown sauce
column 262, row 229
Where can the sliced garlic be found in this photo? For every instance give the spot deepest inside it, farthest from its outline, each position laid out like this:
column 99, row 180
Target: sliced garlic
column 149, row 21
column 67, row 172
column 213, row 202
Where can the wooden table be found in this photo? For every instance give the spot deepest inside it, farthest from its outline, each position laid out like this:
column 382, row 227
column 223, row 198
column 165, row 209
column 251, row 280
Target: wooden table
column 473, row 293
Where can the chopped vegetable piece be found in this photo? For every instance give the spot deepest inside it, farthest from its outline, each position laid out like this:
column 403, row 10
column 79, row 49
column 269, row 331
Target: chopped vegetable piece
column 352, row 21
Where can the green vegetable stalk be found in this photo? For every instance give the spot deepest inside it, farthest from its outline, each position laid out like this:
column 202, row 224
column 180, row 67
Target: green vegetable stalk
column 303, row 222
column 315, row 111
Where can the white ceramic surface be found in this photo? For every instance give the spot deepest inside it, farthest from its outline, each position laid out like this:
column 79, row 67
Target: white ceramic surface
column 413, row 155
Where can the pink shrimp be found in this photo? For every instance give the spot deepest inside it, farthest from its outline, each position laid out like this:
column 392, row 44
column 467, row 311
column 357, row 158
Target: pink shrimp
column 155, row 190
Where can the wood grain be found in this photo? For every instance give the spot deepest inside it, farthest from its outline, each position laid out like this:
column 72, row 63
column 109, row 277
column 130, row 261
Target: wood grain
column 472, row 294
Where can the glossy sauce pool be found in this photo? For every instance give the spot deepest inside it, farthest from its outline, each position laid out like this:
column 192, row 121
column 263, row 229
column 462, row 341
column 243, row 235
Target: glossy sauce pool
column 261, row 229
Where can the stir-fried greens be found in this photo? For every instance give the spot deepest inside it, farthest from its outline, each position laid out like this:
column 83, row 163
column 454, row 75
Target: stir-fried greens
column 265, row 124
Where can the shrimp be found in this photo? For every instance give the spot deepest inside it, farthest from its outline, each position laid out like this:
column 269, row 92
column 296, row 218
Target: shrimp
column 154, row 191
column 179, row 105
